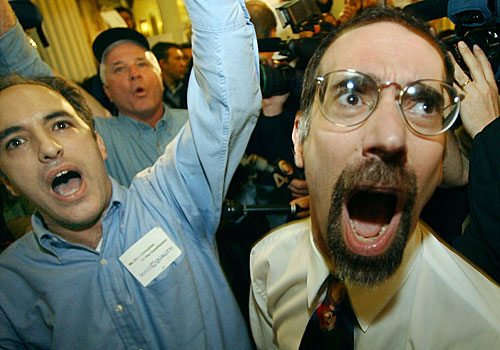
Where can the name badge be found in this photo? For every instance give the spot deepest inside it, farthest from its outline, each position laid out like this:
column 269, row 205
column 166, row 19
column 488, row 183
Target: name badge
column 150, row 256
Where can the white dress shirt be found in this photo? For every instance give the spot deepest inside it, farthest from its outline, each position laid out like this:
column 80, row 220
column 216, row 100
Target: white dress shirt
column 434, row 300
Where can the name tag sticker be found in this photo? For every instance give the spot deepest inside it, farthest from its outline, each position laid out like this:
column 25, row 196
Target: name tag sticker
column 150, row 256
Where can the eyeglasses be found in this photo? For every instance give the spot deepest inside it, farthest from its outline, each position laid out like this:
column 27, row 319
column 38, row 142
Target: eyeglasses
column 347, row 98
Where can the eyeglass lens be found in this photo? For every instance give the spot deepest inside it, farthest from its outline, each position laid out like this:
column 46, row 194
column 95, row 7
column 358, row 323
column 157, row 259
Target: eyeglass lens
column 347, row 98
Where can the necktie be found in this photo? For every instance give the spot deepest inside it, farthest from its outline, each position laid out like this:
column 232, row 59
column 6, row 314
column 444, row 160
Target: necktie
column 331, row 324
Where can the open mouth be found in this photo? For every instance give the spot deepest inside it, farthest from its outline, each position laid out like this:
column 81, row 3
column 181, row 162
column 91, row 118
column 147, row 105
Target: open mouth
column 139, row 90
column 370, row 213
column 66, row 182
column 373, row 217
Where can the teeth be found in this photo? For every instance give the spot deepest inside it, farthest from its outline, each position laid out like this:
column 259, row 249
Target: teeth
column 368, row 239
column 61, row 173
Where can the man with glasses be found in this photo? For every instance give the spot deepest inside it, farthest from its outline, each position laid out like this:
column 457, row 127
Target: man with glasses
column 377, row 102
column 109, row 267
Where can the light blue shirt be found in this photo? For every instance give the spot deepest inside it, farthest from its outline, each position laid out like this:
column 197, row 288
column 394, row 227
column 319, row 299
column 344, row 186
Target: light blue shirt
column 133, row 145
column 18, row 56
column 58, row 295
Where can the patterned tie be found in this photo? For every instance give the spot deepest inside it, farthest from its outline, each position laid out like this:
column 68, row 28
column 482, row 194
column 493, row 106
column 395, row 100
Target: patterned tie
column 331, row 324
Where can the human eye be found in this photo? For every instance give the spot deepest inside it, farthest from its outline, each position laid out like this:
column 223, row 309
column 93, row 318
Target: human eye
column 14, row 143
column 351, row 95
column 423, row 101
column 118, row 69
column 61, row 124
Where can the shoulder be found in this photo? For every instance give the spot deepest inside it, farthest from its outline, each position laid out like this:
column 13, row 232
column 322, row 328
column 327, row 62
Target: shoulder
column 23, row 249
column 454, row 273
column 284, row 237
column 179, row 115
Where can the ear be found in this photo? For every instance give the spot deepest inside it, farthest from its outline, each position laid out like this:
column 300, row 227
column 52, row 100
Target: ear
column 297, row 145
column 107, row 92
column 9, row 186
column 101, row 145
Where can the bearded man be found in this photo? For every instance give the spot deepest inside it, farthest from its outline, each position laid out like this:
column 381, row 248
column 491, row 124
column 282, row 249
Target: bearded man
column 377, row 103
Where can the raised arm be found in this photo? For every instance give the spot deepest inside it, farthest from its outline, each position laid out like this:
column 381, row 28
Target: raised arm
column 223, row 102
column 18, row 56
column 479, row 107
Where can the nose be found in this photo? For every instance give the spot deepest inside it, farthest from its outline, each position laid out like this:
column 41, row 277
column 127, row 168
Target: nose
column 385, row 130
column 134, row 72
column 48, row 148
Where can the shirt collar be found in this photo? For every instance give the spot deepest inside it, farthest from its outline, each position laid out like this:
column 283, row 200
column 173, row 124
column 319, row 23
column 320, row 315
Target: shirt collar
column 317, row 272
column 127, row 119
column 42, row 234
column 367, row 303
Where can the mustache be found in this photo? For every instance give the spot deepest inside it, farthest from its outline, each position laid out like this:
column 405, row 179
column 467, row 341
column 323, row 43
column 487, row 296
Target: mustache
column 374, row 173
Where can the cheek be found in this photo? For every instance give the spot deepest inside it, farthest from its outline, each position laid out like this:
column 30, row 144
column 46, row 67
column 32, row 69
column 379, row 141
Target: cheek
column 427, row 161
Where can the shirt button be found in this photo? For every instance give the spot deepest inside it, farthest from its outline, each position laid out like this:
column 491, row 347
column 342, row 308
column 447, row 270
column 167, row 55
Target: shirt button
column 119, row 308
column 103, row 262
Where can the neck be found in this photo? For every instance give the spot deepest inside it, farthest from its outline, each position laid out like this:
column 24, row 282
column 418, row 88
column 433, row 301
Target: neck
column 149, row 117
column 169, row 80
column 87, row 236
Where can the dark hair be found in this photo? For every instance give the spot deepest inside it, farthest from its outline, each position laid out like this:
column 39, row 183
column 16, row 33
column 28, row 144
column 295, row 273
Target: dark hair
column 124, row 9
column 160, row 50
column 61, row 86
column 262, row 18
column 366, row 17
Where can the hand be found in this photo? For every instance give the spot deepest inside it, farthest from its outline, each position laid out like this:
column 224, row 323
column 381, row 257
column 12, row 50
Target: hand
column 481, row 104
column 347, row 12
column 273, row 106
column 298, row 188
column 303, row 203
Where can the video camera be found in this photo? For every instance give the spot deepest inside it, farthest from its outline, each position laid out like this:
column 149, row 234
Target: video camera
column 476, row 23
column 301, row 15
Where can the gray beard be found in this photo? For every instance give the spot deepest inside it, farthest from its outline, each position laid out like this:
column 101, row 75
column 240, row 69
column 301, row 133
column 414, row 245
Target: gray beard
column 370, row 270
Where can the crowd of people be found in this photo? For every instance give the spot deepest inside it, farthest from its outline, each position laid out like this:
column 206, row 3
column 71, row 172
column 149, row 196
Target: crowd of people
column 127, row 248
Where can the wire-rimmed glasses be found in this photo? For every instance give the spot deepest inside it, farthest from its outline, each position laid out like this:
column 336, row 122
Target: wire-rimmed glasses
column 347, row 98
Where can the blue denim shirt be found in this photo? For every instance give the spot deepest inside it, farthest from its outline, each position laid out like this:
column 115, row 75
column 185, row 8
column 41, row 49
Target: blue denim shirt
column 58, row 295
column 133, row 145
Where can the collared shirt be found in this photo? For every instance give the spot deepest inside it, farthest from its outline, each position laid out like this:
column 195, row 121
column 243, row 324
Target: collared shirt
column 434, row 300
column 58, row 295
column 133, row 145
column 175, row 96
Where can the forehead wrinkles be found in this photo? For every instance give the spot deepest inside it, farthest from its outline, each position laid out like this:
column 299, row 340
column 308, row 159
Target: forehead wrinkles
column 387, row 51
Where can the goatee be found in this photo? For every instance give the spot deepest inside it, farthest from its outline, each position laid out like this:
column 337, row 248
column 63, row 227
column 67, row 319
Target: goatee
column 354, row 181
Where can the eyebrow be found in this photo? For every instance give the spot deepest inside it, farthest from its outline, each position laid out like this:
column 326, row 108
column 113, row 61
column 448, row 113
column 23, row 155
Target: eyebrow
column 13, row 129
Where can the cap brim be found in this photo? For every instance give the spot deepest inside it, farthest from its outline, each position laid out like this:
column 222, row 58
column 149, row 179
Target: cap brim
column 110, row 36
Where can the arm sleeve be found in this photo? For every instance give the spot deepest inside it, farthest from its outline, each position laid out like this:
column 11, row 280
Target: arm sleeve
column 8, row 338
column 223, row 103
column 480, row 242
column 18, row 56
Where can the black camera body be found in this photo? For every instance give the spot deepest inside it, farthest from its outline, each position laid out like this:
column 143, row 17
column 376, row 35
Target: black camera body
column 476, row 23
column 301, row 15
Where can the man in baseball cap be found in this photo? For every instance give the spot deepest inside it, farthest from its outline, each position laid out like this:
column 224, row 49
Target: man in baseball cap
column 131, row 78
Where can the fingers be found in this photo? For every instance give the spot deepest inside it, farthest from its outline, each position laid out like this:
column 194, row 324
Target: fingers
column 485, row 64
column 303, row 203
column 298, row 188
column 478, row 64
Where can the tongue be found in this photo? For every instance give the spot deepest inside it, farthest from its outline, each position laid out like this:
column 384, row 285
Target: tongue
column 369, row 212
column 366, row 229
column 68, row 187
